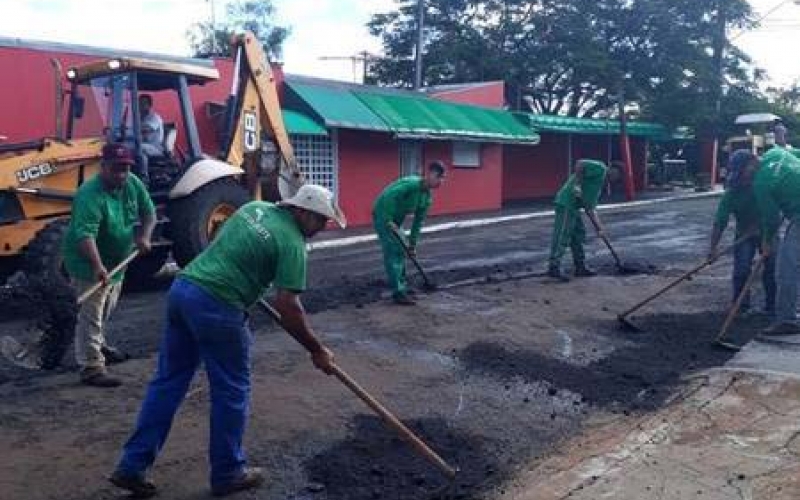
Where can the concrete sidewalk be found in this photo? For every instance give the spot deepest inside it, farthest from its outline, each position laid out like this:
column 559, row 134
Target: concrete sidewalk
column 732, row 433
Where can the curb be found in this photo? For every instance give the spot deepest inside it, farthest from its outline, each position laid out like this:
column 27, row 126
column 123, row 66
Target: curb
column 447, row 226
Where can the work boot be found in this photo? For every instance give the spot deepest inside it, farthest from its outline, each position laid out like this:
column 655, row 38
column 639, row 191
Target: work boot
column 98, row 377
column 136, row 484
column 113, row 355
column 251, row 477
column 555, row 272
column 403, row 299
column 581, row 271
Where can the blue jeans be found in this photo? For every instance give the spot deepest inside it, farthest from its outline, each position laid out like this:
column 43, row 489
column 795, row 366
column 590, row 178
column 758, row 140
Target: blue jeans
column 788, row 272
column 199, row 327
column 743, row 254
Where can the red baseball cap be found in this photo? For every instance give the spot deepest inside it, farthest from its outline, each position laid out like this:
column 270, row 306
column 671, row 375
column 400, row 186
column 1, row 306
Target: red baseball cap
column 118, row 154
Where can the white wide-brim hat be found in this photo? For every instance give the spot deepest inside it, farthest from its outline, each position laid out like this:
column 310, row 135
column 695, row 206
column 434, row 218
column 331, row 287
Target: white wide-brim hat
column 319, row 200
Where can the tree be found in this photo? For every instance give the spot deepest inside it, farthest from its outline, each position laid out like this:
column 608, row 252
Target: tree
column 213, row 39
column 570, row 57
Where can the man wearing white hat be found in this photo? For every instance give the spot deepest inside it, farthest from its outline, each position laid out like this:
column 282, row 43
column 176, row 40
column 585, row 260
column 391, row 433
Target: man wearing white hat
column 261, row 245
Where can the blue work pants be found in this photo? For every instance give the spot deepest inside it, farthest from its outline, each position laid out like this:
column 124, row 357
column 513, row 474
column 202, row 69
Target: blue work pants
column 199, row 328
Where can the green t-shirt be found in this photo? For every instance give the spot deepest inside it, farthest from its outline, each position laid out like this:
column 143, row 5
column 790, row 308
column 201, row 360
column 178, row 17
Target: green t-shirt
column 402, row 197
column 260, row 245
column 594, row 176
column 107, row 216
column 777, row 189
column 741, row 203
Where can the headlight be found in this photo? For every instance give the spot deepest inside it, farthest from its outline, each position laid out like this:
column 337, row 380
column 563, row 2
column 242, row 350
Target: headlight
column 113, row 64
column 71, row 74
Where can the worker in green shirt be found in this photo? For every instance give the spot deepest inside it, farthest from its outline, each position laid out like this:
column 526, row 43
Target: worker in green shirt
column 581, row 191
column 777, row 191
column 407, row 195
column 739, row 200
column 102, row 232
column 262, row 245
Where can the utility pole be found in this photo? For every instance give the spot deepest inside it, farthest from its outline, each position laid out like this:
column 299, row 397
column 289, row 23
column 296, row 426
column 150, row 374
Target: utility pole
column 418, row 51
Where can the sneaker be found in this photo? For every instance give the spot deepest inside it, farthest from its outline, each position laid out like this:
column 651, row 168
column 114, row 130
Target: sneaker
column 98, row 377
column 136, row 484
column 581, row 271
column 555, row 272
column 403, row 299
column 251, row 477
column 782, row 328
column 114, row 356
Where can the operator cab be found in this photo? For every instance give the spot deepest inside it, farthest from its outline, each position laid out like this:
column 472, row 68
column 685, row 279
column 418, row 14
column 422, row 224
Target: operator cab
column 105, row 100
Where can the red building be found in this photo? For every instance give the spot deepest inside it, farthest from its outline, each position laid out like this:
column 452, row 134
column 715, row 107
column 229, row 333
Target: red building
column 356, row 139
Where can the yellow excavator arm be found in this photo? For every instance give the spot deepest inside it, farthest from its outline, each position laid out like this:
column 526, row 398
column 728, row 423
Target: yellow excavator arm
column 254, row 130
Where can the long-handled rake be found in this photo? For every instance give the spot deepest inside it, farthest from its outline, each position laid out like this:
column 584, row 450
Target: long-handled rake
column 623, row 316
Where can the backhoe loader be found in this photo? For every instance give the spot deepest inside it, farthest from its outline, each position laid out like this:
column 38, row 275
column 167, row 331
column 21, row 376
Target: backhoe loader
column 194, row 192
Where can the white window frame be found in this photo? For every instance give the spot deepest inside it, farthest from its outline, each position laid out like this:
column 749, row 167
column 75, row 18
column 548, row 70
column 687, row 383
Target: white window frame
column 316, row 152
column 467, row 154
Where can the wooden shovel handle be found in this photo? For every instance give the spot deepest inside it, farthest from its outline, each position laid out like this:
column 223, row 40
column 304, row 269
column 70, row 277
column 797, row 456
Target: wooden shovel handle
column 393, row 422
column 387, row 416
column 119, row 267
column 681, row 278
column 738, row 303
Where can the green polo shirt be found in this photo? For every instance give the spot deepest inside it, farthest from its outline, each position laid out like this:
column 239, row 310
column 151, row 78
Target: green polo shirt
column 259, row 246
column 777, row 189
column 109, row 218
column 741, row 203
column 594, row 176
column 402, row 197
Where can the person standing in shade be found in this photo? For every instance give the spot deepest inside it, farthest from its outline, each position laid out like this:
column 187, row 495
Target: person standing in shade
column 102, row 233
column 581, row 191
column 262, row 245
column 739, row 200
column 407, row 195
column 780, row 132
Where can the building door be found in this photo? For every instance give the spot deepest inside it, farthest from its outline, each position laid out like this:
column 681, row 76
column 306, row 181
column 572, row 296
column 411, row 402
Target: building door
column 410, row 158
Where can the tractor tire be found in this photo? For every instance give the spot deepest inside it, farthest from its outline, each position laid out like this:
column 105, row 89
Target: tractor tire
column 43, row 254
column 195, row 219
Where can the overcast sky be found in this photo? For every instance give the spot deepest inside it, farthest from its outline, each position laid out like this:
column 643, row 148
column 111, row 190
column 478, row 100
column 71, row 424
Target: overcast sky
column 320, row 28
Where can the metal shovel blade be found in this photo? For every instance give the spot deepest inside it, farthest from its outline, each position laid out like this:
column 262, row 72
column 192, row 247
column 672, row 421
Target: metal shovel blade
column 20, row 355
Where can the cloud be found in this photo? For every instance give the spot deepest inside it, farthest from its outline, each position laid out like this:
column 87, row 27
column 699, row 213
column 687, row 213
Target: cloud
column 319, row 27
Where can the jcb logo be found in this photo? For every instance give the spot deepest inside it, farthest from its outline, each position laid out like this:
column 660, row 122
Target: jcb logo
column 35, row 172
column 250, row 131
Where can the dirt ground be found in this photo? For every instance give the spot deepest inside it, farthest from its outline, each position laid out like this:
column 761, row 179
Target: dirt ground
column 496, row 374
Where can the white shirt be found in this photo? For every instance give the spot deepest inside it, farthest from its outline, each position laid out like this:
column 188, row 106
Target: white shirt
column 156, row 125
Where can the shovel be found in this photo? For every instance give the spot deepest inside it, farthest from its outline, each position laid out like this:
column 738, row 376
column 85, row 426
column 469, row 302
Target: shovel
column 29, row 355
column 621, row 268
column 623, row 316
column 738, row 304
column 427, row 284
column 416, row 442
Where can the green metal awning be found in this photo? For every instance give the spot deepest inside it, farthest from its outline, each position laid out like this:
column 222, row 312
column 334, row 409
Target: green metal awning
column 569, row 124
column 337, row 107
column 299, row 123
column 413, row 116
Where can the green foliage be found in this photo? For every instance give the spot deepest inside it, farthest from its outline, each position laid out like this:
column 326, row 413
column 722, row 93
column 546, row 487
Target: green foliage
column 573, row 57
column 208, row 40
